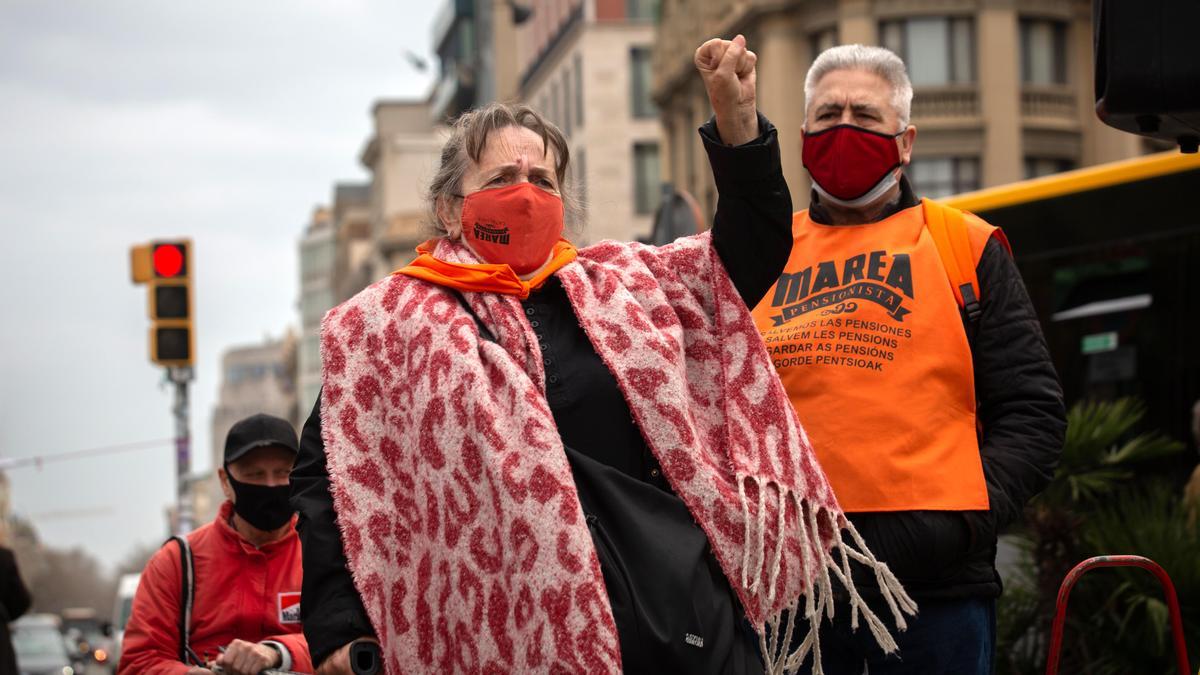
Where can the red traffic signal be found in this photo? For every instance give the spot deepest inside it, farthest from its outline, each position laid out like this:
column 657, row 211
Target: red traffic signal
column 170, row 260
column 164, row 266
column 160, row 260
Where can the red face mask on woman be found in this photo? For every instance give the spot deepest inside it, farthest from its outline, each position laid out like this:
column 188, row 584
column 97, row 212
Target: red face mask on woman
column 516, row 225
column 851, row 164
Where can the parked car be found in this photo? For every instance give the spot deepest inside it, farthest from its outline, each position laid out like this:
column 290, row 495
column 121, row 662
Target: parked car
column 40, row 647
column 122, row 608
column 89, row 637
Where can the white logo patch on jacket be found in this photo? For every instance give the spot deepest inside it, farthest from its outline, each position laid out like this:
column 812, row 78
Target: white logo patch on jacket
column 289, row 607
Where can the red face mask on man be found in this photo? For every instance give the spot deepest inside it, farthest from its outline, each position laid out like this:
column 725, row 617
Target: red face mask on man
column 851, row 166
column 517, row 225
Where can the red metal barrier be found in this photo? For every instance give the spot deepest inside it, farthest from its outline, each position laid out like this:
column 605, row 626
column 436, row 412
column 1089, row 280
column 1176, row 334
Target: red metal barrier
column 1064, row 591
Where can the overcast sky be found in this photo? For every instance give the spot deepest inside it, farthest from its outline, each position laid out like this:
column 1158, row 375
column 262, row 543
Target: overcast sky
column 123, row 121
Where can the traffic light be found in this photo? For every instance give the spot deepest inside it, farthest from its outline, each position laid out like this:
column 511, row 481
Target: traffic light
column 165, row 268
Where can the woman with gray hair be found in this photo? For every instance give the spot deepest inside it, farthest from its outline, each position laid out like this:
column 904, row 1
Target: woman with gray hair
column 529, row 457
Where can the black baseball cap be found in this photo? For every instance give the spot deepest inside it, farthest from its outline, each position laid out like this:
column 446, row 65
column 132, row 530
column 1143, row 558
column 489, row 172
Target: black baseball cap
column 257, row 431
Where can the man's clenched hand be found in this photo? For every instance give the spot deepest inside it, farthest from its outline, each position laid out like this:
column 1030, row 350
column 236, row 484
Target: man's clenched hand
column 728, row 71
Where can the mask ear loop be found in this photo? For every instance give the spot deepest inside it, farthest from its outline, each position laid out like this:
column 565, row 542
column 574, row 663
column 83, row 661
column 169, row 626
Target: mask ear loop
column 876, row 192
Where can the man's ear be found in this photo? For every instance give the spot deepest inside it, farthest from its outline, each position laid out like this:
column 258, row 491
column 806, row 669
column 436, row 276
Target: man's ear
column 225, row 486
column 905, row 141
column 449, row 213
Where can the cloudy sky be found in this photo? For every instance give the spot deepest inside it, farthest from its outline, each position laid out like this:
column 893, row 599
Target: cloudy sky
column 123, row 121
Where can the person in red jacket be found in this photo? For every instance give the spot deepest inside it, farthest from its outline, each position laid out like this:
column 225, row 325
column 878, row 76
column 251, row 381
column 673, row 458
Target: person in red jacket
column 246, row 610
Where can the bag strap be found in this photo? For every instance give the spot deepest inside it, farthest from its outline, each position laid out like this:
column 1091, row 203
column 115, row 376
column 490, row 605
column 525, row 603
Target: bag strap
column 483, row 330
column 948, row 227
column 187, row 597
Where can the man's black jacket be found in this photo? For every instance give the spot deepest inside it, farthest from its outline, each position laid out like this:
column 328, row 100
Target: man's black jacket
column 951, row 554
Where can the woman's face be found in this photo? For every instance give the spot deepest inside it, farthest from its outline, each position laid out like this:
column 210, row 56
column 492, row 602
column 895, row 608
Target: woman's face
column 512, row 155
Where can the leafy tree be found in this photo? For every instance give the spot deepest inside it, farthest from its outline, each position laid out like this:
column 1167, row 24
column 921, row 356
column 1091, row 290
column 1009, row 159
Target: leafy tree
column 1104, row 499
column 59, row 578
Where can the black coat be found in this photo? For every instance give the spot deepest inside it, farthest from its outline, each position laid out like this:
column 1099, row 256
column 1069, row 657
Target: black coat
column 14, row 601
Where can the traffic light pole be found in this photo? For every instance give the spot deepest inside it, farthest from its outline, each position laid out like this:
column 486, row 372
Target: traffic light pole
column 181, row 377
column 166, row 268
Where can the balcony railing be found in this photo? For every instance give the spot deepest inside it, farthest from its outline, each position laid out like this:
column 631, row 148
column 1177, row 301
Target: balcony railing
column 955, row 101
column 1058, row 102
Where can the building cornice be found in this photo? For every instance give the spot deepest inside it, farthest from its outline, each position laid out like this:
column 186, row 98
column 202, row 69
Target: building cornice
column 673, row 65
column 370, row 153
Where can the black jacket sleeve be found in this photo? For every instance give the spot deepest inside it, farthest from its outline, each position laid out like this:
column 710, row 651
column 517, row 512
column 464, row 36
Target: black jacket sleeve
column 752, row 229
column 14, row 596
column 330, row 606
column 1020, row 399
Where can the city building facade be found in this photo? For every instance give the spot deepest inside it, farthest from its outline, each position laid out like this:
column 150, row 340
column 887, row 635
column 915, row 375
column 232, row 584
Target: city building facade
column 1003, row 88
column 402, row 155
column 475, row 40
column 317, row 252
column 586, row 65
column 353, row 268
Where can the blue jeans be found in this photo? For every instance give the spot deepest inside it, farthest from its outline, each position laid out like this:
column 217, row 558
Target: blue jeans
column 947, row 637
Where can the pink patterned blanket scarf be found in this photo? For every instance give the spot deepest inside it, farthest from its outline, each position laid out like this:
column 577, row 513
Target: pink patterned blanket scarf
column 456, row 504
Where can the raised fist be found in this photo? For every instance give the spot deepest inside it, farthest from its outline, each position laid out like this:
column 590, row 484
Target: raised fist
column 727, row 68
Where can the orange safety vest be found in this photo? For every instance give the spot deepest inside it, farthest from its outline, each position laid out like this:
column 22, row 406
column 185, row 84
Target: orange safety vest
column 864, row 329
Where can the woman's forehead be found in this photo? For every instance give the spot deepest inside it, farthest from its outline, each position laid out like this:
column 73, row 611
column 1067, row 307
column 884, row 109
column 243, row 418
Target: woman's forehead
column 515, row 144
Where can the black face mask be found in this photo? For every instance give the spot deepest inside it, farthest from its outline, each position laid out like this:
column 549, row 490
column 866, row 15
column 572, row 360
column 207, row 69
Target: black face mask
column 262, row 506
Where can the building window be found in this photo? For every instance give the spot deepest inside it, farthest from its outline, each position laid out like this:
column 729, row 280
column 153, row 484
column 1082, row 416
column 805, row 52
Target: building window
column 639, row 61
column 310, row 353
column 937, row 177
column 641, row 9
column 822, row 40
column 1036, row 167
column 1043, row 52
column 936, row 50
column 646, row 178
column 579, row 169
column 554, row 117
column 314, row 304
column 579, row 91
column 568, row 115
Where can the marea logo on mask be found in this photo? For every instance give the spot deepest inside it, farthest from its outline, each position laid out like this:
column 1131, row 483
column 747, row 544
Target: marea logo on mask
column 493, row 234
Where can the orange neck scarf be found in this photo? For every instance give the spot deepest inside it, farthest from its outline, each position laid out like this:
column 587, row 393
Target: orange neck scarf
column 484, row 277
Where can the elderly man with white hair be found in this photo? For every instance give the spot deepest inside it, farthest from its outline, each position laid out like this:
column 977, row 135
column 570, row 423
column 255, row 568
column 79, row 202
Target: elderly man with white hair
column 911, row 351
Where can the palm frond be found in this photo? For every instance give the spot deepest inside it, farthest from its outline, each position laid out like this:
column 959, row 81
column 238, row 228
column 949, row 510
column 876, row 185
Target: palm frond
column 1101, row 450
column 1143, row 448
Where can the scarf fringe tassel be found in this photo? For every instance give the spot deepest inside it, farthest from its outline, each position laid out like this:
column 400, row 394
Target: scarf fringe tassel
column 775, row 635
